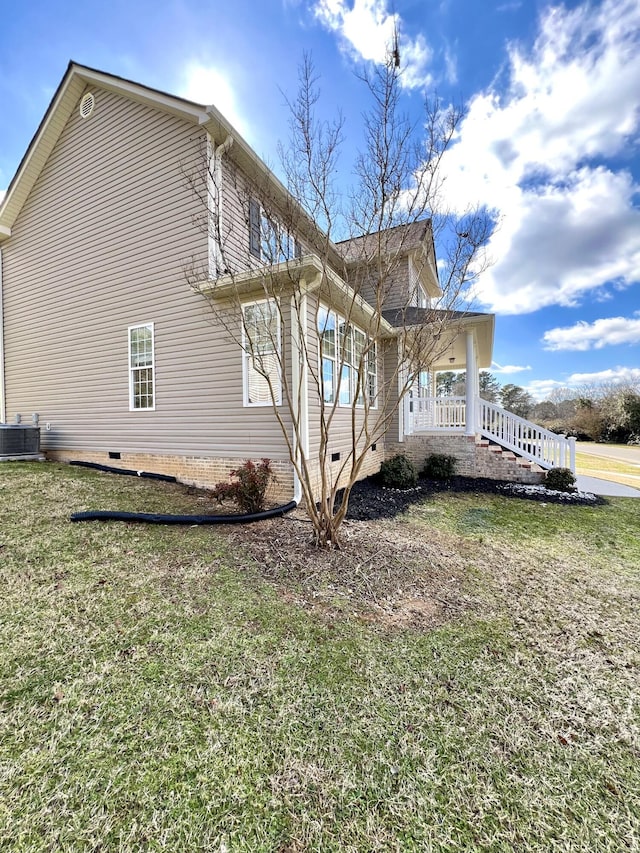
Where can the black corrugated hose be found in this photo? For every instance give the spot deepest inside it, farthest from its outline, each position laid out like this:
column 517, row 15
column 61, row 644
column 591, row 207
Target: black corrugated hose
column 163, row 518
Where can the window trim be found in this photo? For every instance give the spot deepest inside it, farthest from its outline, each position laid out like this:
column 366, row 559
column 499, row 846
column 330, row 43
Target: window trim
column 246, row 356
column 344, row 367
column 261, row 225
column 418, row 296
column 133, row 369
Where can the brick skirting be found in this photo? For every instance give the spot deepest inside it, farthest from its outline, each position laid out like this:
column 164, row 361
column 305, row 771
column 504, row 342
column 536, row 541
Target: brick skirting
column 200, row 471
column 474, row 459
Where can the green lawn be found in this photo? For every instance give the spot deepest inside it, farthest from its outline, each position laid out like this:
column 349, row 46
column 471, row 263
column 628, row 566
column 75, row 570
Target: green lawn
column 174, row 689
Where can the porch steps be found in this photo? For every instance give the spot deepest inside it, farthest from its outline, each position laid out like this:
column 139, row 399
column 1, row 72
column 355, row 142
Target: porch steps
column 507, row 465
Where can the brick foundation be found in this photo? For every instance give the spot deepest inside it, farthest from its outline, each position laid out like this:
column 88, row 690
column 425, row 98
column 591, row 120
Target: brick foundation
column 474, row 459
column 371, row 465
column 201, row 471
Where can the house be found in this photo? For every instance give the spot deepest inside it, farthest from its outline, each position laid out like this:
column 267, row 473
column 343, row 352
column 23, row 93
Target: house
column 136, row 239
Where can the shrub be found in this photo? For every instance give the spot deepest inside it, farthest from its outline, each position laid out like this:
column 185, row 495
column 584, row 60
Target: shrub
column 249, row 490
column 439, row 466
column 398, row 472
column 560, row 480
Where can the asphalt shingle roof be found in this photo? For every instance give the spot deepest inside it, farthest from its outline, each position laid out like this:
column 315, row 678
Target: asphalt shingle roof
column 402, row 238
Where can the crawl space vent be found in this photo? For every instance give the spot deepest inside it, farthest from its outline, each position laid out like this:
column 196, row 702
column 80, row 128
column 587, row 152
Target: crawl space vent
column 87, row 104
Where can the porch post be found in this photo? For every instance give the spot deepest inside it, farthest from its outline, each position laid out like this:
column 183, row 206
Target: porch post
column 470, row 387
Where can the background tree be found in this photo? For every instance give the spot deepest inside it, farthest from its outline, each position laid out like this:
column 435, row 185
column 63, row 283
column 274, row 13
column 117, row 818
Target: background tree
column 544, row 413
column 399, row 182
column 595, row 412
column 515, row 399
column 453, row 383
column 450, row 383
column 489, row 387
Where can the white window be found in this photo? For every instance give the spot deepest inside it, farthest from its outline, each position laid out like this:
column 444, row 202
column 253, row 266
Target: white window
column 418, row 296
column 327, row 337
column 141, row 367
column 261, row 346
column 348, row 361
column 424, row 383
column 269, row 241
column 422, row 300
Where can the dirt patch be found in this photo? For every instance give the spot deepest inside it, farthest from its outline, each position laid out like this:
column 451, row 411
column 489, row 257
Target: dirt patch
column 383, row 573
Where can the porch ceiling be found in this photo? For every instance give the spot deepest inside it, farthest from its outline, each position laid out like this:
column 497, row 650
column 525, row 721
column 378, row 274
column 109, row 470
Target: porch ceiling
column 449, row 331
column 452, row 344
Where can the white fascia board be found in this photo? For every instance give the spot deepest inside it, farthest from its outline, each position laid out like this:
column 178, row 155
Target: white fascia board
column 141, row 94
column 76, row 79
column 307, row 273
column 39, row 149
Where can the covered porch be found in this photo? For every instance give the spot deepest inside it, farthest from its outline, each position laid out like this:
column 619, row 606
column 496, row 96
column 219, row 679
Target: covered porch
column 477, row 417
column 467, row 345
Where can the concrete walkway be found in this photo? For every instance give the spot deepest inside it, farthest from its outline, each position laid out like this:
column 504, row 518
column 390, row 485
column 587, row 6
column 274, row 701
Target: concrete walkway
column 605, row 487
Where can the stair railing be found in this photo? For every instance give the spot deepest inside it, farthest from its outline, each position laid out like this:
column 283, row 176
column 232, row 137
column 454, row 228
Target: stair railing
column 533, row 442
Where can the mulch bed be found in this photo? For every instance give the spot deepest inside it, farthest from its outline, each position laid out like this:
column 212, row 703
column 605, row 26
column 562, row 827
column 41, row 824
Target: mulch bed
column 370, row 500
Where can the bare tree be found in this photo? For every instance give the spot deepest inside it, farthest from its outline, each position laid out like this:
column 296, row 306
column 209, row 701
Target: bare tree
column 329, row 264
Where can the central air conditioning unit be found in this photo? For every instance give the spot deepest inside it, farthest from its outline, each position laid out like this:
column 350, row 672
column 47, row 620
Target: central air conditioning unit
column 19, row 442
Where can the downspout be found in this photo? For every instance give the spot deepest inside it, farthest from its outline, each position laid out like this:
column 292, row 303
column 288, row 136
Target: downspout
column 404, row 404
column 299, row 383
column 3, row 403
column 216, row 261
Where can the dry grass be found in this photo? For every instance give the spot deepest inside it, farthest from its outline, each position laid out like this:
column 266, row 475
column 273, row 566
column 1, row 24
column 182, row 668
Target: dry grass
column 466, row 677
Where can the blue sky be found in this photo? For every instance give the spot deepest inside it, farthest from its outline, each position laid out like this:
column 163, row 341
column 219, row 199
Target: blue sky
column 551, row 138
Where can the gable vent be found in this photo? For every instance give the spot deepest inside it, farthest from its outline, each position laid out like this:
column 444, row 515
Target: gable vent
column 87, row 104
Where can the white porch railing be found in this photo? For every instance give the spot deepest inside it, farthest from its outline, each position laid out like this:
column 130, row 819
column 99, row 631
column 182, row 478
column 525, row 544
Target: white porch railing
column 448, row 414
column 435, row 413
column 547, row 449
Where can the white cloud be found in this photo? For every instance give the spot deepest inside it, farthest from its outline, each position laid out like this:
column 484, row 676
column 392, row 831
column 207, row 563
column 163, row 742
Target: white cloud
column 569, row 223
column 451, row 66
column 366, row 30
column 609, row 331
column 508, row 368
column 2, row 194
column 206, row 84
column 621, row 375
column 540, row 389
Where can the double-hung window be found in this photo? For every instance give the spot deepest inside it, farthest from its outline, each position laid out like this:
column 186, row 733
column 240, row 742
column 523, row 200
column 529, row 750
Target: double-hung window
column 418, row 296
column 348, row 361
column 269, row 241
column 141, row 367
column 328, row 352
column 261, row 347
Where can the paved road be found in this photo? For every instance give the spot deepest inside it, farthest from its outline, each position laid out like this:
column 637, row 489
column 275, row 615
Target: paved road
column 625, row 453
column 622, row 452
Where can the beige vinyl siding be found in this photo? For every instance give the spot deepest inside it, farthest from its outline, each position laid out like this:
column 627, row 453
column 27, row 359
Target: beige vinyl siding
column 102, row 244
column 394, row 291
column 235, row 221
column 340, row 436
column 392, row 382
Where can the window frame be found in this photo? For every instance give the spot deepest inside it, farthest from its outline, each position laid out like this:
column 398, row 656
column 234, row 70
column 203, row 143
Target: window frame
column 362, row 390
column 133, row 369
column 269, row 241
column 418, row 296
column 247, row 356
